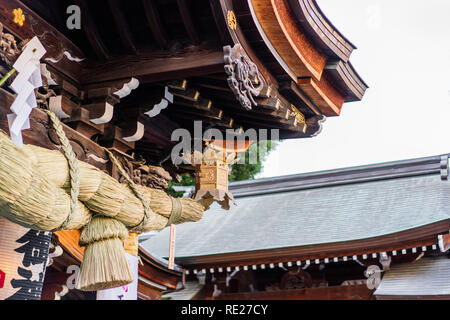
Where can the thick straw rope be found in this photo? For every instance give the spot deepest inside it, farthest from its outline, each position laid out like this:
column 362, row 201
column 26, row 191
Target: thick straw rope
column 177, row 207
column 148, row 213
column 74, row 171
column 175, row 215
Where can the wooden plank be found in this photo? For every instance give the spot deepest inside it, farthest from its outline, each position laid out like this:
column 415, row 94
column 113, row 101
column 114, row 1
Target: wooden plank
column 211, row 113
column 324, row 33
column 201, row 104
column 290, row 90
column 354, row 292
column 151, row 67
column 91, row 31
column 294, row 47
column 155, row 23
column 323, row 94
column 187, row 21
column 69, row 241
column 122, row 25
column 187, row 94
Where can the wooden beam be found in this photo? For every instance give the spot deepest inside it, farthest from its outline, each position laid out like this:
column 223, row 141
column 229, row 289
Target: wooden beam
column 288, row 40
column 151, row 67
column 290, row 125
column 91, row 31
column 323, row 94
column 187, row 94
column 201, row 104
column 187, row 21
column 54, row 41
column 290, row 90
column 354, row 292
column 213, row 113
column 329, row 39
column 122, row 25
column 41, row 136
column 155, row 23
column 178, row 84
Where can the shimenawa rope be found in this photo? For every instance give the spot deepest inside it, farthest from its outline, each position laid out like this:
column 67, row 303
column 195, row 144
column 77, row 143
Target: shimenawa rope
column 74, row 171
column 147, row 211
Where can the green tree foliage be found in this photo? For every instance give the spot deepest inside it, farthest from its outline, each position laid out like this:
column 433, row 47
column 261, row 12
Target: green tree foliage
column 249, row 170
column 239, row 171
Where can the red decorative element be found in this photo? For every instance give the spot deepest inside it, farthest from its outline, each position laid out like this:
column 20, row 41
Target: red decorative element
column 2, row 279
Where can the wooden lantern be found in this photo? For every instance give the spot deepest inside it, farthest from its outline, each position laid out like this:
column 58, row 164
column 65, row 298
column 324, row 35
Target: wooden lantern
column 212, row 176
column 212, row 168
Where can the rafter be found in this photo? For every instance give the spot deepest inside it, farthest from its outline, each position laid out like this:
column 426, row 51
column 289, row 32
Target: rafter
column 122, row 25
column 187, row 21
column 155, row 23
column 91, row 31
column 152, row 67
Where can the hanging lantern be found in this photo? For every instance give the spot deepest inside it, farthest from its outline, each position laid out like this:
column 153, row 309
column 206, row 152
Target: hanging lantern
column 23, row 259
column 212, row 168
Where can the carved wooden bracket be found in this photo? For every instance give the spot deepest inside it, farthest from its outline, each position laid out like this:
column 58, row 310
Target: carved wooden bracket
column 244, row 78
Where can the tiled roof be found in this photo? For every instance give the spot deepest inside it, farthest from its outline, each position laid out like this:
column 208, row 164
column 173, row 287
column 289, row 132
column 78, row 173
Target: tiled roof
column 426, row 277
column 191, row 289
column 339, row 208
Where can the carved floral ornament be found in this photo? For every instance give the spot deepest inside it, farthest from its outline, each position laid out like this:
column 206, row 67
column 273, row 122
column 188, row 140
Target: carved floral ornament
column 232, row 23
column 19, row 17
column 300, row 118
column 244, row 78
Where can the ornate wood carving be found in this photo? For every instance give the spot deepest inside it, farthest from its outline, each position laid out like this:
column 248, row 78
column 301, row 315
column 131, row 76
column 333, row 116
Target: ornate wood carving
column 9, row 50
column 44, row 93
column 145, row 175
column 296, row 279
column 244, row 78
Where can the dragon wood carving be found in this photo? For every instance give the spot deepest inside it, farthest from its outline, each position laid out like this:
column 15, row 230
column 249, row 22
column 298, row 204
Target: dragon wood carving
column 244, row 78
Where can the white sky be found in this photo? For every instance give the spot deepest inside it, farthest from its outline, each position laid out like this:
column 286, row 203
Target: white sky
column 403, row 54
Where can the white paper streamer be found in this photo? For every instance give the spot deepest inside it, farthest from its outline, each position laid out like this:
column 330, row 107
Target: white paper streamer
column 27, row 79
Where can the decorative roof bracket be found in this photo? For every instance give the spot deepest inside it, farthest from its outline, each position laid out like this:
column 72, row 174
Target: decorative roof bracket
column 244, row 78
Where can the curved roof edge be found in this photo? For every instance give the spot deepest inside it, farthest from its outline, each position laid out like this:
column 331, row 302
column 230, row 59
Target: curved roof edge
column 158, row 262
column 311, row 17
column 348, row 79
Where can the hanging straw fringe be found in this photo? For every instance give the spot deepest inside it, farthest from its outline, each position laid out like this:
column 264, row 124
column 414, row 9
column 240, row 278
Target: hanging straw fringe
column 104, row 264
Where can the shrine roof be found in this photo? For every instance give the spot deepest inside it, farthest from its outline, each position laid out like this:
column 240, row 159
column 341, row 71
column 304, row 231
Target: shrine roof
column 427, row 277
column 342, row 205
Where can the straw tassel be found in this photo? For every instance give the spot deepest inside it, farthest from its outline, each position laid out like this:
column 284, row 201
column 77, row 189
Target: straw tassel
column 104, row 263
